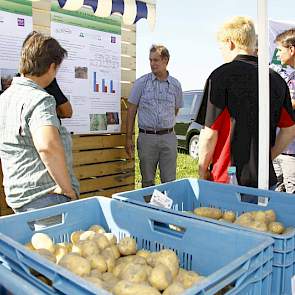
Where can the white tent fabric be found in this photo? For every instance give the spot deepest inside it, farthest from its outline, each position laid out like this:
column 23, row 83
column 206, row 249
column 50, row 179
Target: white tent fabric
column 131, row 10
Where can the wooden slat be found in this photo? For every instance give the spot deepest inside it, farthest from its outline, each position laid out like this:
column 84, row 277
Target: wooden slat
column 124, row 104
column 100, row 156
column 42, row 5
column 128, row 75
column 108, row 192
column 89, row 185
column 128, row 62
column 125, row 89
column 3, row 203
column 102, row 169
column 44, row 30
column 128, row 49
column 128, row 27
column 124, row 116
column 41, row 18
column 97, row 141
column 128, row 36
column 6, row 211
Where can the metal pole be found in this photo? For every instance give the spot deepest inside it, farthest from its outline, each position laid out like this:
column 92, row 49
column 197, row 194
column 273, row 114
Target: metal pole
column 264, row 101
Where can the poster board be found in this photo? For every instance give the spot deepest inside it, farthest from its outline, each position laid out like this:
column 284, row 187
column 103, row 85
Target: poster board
column 15, row 24
column 90, row 76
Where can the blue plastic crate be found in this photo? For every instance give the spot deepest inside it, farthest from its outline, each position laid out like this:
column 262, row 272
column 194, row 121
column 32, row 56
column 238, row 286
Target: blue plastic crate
column 188, row 194
column 226, row 256
column 12, row 284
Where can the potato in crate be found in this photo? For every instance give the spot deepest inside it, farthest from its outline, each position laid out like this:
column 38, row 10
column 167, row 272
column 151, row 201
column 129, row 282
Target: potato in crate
column 220, row 203
column 232, row 261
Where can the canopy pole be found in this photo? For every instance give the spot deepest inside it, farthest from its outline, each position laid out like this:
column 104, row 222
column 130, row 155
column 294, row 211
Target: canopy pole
column 264, row 101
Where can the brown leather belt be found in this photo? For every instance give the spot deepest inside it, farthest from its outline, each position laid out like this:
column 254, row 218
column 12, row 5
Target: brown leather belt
column 158, row 132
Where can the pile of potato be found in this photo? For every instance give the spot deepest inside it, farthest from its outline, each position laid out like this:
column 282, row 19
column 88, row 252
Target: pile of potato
column 117, row 267
column 264, row 221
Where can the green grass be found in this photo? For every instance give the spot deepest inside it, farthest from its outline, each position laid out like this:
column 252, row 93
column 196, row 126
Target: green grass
column 186, row 167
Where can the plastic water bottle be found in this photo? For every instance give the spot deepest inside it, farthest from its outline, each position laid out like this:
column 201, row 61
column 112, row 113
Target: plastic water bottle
column 232, row 177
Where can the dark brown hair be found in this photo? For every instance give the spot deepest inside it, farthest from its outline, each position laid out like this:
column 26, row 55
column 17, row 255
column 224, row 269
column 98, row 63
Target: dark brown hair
column 287, row 38
column 38, row 53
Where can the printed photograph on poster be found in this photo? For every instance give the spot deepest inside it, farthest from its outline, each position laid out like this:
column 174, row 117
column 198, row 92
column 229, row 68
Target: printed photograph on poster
column 112, row 118
column 6, row 77
column 81, row 72
column 98, row 122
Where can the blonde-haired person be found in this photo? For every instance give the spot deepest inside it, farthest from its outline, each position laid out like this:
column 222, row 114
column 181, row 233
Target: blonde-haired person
column 35, row 152
column 229, row 110
column 284, row 164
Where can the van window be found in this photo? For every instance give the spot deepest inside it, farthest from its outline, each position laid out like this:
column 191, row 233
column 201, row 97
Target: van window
column 187, row 104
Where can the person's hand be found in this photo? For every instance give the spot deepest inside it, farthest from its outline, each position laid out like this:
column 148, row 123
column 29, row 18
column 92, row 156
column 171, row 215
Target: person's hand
column 69, row 193
column 204, row 174
column 129, row 147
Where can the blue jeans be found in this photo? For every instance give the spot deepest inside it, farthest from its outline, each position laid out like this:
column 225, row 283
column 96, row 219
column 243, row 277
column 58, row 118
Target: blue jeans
column 42, row 202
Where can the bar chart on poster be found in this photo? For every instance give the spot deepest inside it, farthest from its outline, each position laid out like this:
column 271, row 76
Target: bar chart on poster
column 102, row 84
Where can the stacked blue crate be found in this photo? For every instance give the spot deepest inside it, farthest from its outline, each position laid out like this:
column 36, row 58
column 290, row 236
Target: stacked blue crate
column 225, row 256
column 188, row 194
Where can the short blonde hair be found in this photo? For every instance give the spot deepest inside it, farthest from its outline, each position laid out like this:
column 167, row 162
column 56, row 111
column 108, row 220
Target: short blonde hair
column 240, row 30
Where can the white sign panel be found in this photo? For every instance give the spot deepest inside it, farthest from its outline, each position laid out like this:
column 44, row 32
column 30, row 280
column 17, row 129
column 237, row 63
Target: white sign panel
column 90, row 76
column 15, row 25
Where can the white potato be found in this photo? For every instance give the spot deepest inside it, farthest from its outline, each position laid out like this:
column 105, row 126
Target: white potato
column 127, row 246
column 170, row 259
column 134, row 273
column 85, row 248
column 160, row 277
column 77, row 264
column 46, row 254
column 174, row 289
column 111, row 237
column 143, row 253
column 87, row 235
column 75, row 236
column 128, row 288
column 98, row 262
column 188, row 278
column 97, row 229
column 101, row 241
column 42, row 241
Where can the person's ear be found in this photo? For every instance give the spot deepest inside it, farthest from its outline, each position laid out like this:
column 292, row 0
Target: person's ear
column 231, row 45
column 166, row 60
column 292, row 50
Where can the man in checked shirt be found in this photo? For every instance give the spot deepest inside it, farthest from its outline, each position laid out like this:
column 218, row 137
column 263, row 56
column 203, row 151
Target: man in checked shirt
column 156, row 97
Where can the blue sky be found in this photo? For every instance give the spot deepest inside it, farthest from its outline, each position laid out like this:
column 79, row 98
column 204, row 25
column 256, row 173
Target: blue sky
column 188, row 28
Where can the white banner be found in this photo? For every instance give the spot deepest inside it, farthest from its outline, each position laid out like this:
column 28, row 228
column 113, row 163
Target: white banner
column 15, row 24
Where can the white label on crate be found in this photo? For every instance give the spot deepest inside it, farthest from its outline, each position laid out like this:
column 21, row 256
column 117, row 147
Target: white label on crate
column 161, row 200
column 262, row 201
column 293, row 285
